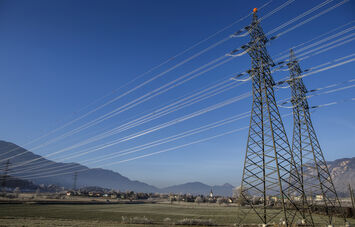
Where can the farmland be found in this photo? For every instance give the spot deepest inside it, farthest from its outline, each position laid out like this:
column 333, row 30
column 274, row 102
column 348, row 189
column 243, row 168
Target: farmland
column 121, row 214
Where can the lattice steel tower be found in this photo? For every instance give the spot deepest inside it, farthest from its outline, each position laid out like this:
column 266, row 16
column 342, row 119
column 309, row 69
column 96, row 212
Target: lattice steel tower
column 75, row 180
column 5, row 174
column 308, row 154
column 271, row 184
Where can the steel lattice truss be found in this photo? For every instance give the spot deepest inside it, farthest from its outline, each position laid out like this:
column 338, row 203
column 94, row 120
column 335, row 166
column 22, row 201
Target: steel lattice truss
column 307, row 152
column 271, row 185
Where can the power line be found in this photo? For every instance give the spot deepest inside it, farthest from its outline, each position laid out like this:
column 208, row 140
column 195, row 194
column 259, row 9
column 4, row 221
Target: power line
column 163, row 151
column 162, row 74
column 119, row 141
column 178, row 136
column 317, row 37
column 147, row 72
column 281, row 81
column 309, row 19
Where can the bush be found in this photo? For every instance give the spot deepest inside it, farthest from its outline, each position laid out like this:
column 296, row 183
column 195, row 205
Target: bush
column 220, row 201
column 167, row 220
column 191, row 221
column 136, row 220
column 198, row 200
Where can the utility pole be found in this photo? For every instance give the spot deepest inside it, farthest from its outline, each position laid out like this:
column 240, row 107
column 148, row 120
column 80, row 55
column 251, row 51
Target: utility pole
column 6, row 170
column 308, row 154
column 75, row 179
column 270, row 173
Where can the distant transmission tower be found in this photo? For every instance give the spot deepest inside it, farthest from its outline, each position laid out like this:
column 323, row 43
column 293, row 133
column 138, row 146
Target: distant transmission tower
column 75, row 179
column 270, row 175
column 4, row 177
column 308, row 154
column 351, row 192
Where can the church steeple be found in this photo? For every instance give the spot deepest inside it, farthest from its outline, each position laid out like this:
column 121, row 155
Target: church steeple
column 211, row 194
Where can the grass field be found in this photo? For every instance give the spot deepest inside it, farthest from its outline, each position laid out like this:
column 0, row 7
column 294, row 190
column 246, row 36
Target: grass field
column 111, row 214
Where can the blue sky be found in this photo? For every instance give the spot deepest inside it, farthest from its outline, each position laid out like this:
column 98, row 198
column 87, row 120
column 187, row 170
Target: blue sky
column 57, row 57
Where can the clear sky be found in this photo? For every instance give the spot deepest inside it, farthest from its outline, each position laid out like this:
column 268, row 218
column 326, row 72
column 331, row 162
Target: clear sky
column 57, row 57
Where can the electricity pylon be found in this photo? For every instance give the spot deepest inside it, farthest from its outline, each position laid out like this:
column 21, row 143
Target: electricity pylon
column 5, row 175
column 271, row 184
column 351, row 192
column 308, row 154
column 75, row 180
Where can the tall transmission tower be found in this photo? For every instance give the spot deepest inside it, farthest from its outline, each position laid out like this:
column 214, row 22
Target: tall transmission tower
column 270, row 174
column 308, row 154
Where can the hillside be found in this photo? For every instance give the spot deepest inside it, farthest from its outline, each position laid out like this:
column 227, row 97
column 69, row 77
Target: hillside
column 343, row 173
column 87, row 177
column 13, row 182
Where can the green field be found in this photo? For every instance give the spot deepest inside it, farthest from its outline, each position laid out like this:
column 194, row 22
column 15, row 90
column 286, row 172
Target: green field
column 111, row 214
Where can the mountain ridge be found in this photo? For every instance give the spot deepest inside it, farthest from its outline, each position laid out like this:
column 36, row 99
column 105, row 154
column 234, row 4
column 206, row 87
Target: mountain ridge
column 342, row 171
column 88, row 177
column 92, row 176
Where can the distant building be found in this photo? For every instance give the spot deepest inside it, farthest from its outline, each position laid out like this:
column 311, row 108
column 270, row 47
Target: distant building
column 319, row 197
column 211, row 193
column 113, row 196
column 297, row 198
column 274, row 198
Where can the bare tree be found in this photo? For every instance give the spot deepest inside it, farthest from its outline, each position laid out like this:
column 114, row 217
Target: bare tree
column 220, row 201
column 17, row 191
column 37, row 192
column 237, row 193
column 198, row 200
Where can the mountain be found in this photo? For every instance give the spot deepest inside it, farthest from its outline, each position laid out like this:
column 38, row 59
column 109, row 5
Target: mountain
column 44, row 171
column 86, row 177
column 13, row 182
column 198, row 188
column 343, row 173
